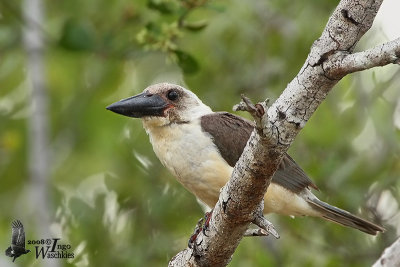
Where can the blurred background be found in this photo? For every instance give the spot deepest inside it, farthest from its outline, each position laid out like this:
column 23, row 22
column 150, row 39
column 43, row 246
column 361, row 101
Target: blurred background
column 72, row 170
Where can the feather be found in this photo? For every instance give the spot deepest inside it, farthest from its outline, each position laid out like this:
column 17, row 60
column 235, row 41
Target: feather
column 230, row 134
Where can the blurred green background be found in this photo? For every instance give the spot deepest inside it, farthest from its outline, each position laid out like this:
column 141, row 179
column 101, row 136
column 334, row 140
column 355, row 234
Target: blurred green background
column 107, row 193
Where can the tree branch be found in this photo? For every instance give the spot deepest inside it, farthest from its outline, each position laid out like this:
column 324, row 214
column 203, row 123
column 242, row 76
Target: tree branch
column 240, row 200
column 38, row 121
column 380, row 55
column 390, row 256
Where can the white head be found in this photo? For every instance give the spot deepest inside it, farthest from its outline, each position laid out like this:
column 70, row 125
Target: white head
column 162, row 104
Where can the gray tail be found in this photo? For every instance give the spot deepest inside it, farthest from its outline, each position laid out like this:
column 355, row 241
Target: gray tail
column 343, row 217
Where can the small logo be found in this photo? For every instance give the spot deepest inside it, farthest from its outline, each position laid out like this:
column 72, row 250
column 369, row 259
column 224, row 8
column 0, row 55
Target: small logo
column 50, row 248
column 17, row 247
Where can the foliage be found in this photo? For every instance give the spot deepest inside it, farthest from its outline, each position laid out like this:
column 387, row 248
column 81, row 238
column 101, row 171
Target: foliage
column 111, row 198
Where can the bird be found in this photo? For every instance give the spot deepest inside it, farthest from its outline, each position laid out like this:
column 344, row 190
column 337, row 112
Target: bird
column 17, row 247
column 200, row 148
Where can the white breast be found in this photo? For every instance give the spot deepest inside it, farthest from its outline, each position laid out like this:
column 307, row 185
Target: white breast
column 192, row 157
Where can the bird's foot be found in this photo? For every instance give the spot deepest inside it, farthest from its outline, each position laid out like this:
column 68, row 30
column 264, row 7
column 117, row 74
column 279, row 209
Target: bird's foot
column 202, row 226
column 197, row 230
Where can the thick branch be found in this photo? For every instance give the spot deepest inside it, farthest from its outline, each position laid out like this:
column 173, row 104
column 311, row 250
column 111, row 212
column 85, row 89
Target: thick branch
column 243, row 194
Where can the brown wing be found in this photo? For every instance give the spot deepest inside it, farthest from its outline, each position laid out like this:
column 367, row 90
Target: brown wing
column 230, row 134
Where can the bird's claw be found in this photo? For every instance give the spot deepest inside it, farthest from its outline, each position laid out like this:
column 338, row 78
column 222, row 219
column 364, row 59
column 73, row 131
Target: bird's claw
column 192, row 239
column 207, row 218
column 202, row 226
column 196, row 232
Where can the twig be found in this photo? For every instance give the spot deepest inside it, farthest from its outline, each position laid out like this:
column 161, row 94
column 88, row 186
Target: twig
column 266, row 225
column 380, row 55
column 257, row 111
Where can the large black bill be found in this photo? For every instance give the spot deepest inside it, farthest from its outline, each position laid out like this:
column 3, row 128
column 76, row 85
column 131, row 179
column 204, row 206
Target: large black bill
column 140, row 105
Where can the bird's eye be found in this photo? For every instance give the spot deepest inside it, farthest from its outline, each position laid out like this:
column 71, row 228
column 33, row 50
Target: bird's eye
column 172, row 95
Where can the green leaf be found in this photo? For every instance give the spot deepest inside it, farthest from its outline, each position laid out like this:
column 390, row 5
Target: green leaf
column 153, row 27
column 161, row 6
column 195, row 26
column 186, row 62
column 77, row 35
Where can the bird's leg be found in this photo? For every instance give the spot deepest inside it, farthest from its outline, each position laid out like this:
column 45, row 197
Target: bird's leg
column 207, row 218
column 197, row 230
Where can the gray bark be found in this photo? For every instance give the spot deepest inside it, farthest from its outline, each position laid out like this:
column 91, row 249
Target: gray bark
column 329, row 60
column 390, row 257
